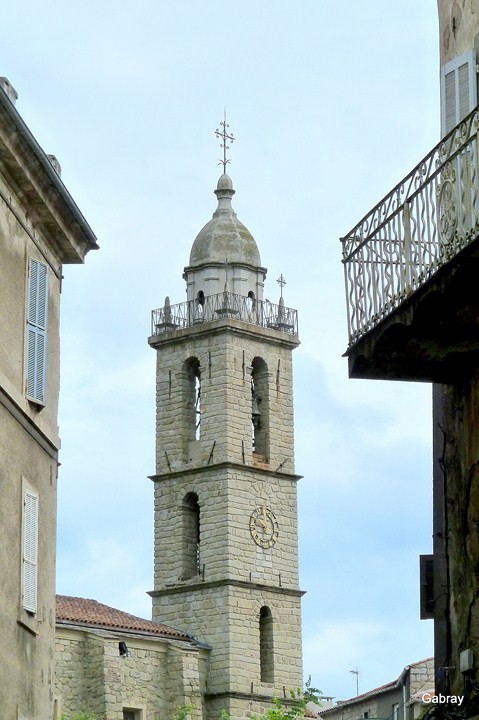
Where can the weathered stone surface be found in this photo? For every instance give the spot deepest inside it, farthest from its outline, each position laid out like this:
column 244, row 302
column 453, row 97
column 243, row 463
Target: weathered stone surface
column 235, row 577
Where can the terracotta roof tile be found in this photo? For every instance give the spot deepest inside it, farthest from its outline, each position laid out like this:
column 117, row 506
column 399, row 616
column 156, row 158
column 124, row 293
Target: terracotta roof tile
column 363, row 696
column 90, row 613
column 376, row 691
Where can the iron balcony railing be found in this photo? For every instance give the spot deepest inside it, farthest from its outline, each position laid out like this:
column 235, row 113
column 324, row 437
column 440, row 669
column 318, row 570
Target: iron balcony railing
column 423, row 223
column 224, row 305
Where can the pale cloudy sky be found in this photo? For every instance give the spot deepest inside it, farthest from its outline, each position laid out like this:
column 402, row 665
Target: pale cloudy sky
column 331, row 103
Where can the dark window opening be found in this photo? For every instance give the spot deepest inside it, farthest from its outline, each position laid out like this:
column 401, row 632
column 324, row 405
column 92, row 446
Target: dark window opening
column 259, row 407
column 266, row 647
column 192, row 399
column 191, row 536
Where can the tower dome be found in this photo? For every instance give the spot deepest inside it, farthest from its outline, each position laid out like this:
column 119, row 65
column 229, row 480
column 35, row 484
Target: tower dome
column 224, row 238
column 224, row 254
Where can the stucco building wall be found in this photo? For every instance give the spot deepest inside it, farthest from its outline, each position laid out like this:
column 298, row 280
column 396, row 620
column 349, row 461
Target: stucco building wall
column 39, row 224
column 458, row 27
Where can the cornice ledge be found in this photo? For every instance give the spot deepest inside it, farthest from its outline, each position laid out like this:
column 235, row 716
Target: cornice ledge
column 226, row 582
column 33, row 178
column 261, row 697
column 216, row 327
column 226, row 464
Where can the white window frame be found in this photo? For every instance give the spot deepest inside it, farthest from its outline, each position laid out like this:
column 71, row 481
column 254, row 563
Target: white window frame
column 30, row 500
column 36, row 331
column 451, row 70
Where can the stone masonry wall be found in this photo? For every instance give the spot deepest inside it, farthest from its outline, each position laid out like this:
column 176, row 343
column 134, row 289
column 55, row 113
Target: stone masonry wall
column 225, row 350
column 228, row 619
column 69, row 683
column 156, row 677
column 421, row 676
column 221, row 605
column 227, row 497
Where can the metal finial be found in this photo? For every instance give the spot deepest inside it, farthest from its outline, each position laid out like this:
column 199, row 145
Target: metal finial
column 224, row 136
column 281, row 282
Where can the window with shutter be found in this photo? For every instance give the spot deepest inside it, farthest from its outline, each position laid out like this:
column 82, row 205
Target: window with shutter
column 458, row 90
column 37, row 306
column 30, row 551
column 426, row 569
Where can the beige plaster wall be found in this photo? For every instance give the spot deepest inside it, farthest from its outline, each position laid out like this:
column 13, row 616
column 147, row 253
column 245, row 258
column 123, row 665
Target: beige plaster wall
column 26, row 639
column 458, row 27
column 29, row 443
column 19, row 242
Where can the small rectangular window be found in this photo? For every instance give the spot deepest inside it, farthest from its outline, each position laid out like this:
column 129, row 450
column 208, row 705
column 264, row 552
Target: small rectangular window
column 30, row 551
column 37, row 311
column 426, row 569
column 132, row 714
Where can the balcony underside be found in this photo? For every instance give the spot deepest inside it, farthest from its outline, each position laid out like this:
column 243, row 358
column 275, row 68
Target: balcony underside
column 433, row 336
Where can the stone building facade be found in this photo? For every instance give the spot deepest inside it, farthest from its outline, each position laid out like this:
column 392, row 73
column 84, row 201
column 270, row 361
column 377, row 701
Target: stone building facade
column 397, row 700
column 226, row 552
column 40, row 229
column 121, row 666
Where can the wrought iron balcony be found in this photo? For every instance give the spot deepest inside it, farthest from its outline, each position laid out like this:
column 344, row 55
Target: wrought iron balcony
column 424, row 222
column 224, row 305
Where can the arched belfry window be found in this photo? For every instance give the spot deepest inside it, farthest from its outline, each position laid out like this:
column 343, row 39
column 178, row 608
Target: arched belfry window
column 266, row 645
column 191, row 536
column 250, row 305
column 192, row 399
column 259, row 407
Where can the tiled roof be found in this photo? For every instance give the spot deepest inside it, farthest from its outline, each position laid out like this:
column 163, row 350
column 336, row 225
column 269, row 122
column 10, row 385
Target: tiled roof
column 378, row 690
column 90, row 613
column 363, row 696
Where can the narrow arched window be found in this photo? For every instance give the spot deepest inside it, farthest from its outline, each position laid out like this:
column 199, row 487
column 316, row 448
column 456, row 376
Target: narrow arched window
column 259, row 407
column 266, row 645
column 191, row 536
column 192, row 399
column 200, row 298
column 197, row 406
column 251, row 302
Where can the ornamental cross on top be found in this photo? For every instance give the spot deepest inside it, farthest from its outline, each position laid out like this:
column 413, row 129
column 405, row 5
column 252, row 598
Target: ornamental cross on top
column 224, row 136
column 281, row 282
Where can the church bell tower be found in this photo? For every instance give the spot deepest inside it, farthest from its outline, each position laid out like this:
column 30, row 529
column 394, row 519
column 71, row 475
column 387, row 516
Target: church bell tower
column 226, row 545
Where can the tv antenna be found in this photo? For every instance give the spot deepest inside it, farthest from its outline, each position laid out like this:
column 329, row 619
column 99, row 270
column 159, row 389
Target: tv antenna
column 356, row 672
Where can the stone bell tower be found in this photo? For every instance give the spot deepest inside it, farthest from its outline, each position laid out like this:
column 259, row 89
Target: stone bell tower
column 226, row 551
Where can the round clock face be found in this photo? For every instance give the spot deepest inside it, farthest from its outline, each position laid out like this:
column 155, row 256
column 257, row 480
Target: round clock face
column 263, row 527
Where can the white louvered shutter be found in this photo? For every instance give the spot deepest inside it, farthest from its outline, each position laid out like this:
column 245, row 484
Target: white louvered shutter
column 458, row 90
column 37, row 305
column 30, row 550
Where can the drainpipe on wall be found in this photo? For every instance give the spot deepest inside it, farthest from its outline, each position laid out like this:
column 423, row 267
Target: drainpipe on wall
column 404, row 699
